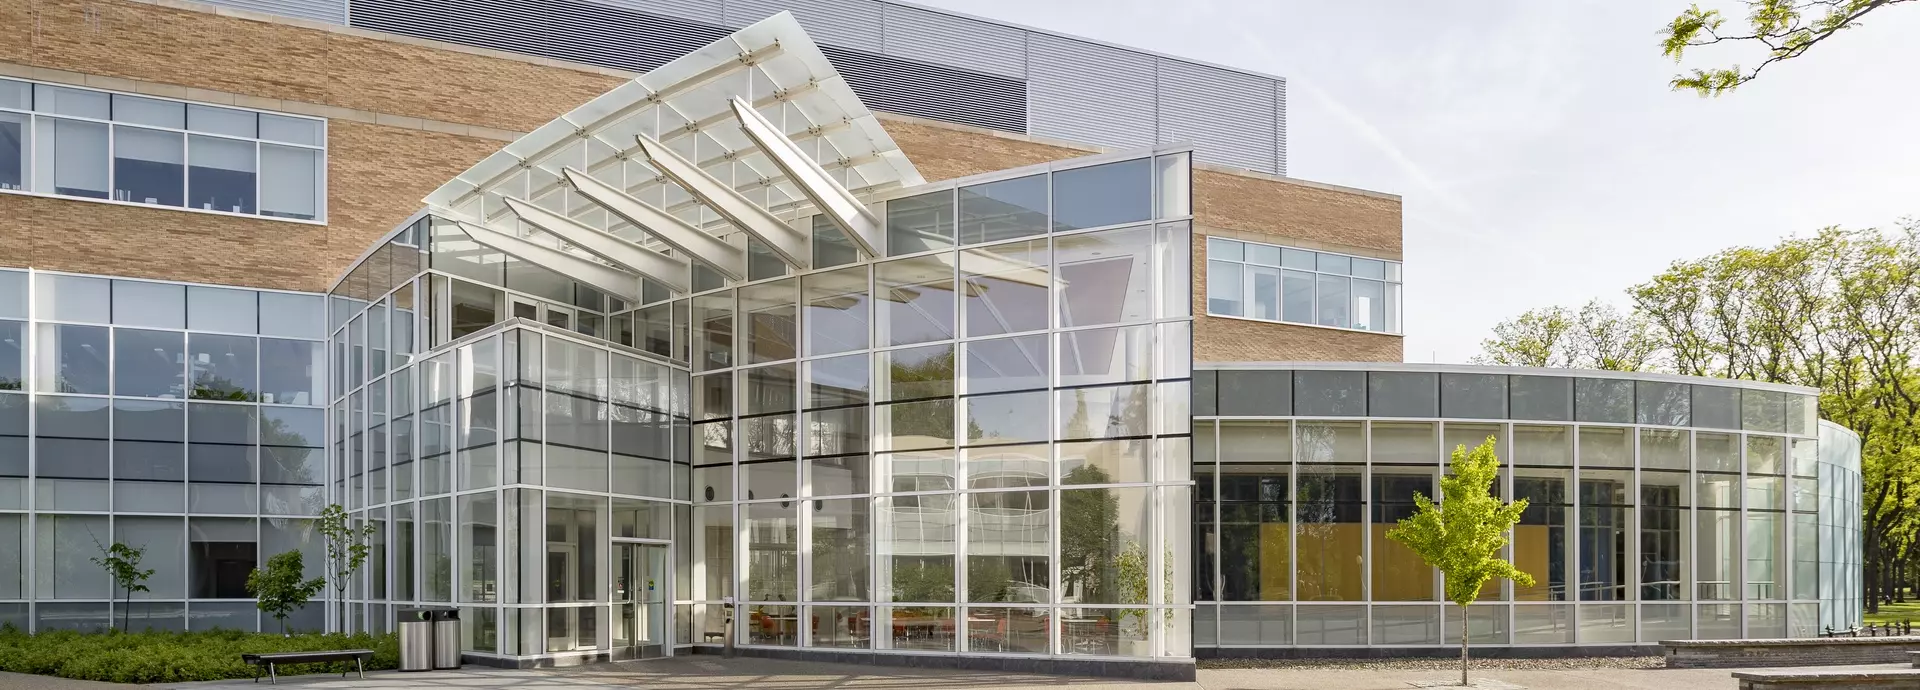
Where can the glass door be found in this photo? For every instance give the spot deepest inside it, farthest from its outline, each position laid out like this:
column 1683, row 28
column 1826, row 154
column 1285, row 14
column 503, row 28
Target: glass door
column 640, row 599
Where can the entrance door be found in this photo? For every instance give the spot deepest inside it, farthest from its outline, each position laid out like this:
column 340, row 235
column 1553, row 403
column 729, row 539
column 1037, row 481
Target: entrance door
column 562, row 574
column 640, row 599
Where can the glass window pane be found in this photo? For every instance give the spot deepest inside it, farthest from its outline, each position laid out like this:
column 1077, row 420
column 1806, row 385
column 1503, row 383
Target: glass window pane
column 1603, row 400
column 220, row 553
column 291, row 182
column 292, row 315
column 914, row 426
column 1296, row 297
column 1335, row 263
column 915, row 547
column 1008, row 536
column 70, row 158
column 1540, row 541
column 838, row 311
column 1256, row 393
column 13, row 294
column 1107, row 276
column 1332, row 302
column 916, row 372
column 1664, row 449
column 1225, row 296
column 1102, row 195
column 1473, row 396
column 770, row 316
column 72, row 359
column 1230, row 250
column 1108, row 412
column 1330, row 393
column 1399, row 574
column 149, row 166
column 1297, row 258
column 842, row 536
column 1329, row 510
column 1003, row 210
column 1715, row 407
column 838, row 381
column 212, row 120
column 1542, row 398
column 1263, row 285
column 291, row 371
column 1765, row 565
column 1263, row 254
column 1662, row 403
column 1370, row 305
column 293, row 130
column 220, row 174
column 773, row 560
column 920, row 223
column 917, row 300
column 222, row 366
column 1403, row 394
column 1605, row 496
column 1602, row 446
column 1009, row 418
column 63, row 547
column 149, row 364
column 1369, row 268
column 153, row 305
column 148, row 111
column 1006, row 288
column 1007, row 364
column 222, row 309
column 72, row 298
column 60, row 100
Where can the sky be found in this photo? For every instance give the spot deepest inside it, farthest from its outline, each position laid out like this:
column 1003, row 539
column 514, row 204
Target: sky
column 1539, row 154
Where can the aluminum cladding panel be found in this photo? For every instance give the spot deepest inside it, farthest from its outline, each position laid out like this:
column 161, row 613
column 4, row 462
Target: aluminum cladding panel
column 944, row 39
column 708, row 11
column 844, row 23
column 1231, row 118
column 1086, row 92
column 329, row 11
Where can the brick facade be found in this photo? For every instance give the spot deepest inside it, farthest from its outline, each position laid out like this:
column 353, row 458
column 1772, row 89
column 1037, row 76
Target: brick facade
column 405, row 115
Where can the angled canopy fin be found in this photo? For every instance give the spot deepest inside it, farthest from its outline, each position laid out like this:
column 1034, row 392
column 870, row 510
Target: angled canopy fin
column 826, row 193
column 608, row 279
column 673, row 271
column 789, row 243
column 686, row 239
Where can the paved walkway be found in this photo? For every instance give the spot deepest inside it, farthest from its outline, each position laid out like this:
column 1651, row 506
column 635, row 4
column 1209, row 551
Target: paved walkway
column 712, row 673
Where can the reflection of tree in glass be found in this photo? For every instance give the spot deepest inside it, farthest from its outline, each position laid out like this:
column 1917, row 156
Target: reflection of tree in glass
column 931, row 377
column 1089, row 536
column 922, row 578
column 212, row 387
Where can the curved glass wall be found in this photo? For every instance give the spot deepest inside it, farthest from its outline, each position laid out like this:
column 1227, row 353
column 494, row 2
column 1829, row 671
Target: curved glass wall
column 1659, row 507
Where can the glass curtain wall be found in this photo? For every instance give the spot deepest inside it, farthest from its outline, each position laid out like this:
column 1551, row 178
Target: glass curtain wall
column 182, row 419
column 978, row 444
column 1657, row 508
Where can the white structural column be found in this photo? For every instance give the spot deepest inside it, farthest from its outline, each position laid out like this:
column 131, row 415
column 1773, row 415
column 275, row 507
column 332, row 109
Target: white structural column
column 684, row 238
column 669, row 270
column 789, row 243
column 826, row 193
column 608, row 279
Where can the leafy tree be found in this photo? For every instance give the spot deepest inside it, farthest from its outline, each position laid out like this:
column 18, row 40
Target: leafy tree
column 347, row 547
column 1787, row 28
column 280, row 589
column 1462, row 536
column 1838, row 311
column 123, row 563
column 1597, row 336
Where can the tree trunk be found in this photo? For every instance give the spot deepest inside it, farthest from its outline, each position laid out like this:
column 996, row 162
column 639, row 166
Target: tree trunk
column 1465, row 632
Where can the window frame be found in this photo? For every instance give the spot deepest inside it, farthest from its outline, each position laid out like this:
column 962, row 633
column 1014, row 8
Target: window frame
column 1392, row 285
column 33, row 149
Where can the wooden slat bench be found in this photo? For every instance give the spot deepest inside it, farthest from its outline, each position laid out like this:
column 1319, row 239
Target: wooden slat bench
column 1834, row 679
column 359, row 658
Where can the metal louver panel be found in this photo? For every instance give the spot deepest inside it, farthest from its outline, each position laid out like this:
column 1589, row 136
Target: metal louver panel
column 932, row 91
column 1192, row 100
column 1280, row 126
column 944, row 39
column 1082, row 91
column 704, row 11
column 586, row 32
column 329, row 11
column 845, row 23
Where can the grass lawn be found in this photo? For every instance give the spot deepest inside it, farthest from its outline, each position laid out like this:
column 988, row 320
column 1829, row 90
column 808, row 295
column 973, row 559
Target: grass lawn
column 1894, row 613
column 168, row 657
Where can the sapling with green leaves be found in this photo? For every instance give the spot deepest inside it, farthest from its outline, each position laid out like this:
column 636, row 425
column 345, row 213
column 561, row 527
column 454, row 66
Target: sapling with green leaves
column 123, row 563
column 281, row 587
column 347, row 547
column 1463, row 534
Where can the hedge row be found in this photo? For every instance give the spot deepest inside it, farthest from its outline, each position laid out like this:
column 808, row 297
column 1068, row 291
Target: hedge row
column 170, row 657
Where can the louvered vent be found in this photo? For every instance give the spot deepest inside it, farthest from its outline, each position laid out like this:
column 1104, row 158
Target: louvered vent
column 620, row 38
column 329, row 11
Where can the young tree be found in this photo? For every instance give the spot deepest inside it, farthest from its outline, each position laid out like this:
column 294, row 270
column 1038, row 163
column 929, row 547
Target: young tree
column 1784, row 27
column 280, row 588
column 1463, row 534
column 347, row 547
column 123, row 563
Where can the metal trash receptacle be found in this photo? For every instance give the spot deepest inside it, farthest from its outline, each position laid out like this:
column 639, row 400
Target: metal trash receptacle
column 446, row 638
column 415, row 626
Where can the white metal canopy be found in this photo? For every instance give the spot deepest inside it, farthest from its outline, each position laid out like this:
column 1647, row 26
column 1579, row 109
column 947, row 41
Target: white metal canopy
column 745, row 135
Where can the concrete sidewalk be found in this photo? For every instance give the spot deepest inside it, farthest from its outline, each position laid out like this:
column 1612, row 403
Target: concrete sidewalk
column 712, row 673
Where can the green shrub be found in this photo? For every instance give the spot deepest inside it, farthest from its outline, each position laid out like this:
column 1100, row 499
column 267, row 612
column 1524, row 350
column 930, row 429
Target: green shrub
column 166, row 657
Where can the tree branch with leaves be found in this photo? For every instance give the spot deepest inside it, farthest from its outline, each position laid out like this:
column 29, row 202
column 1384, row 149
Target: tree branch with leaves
column 123, row 563
column 1786, row 28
